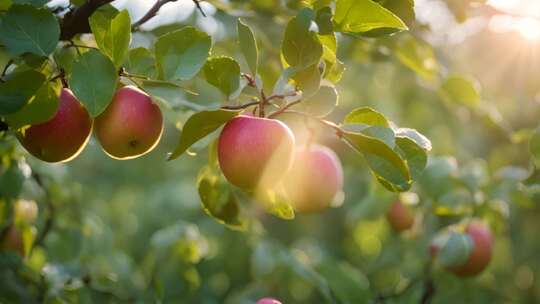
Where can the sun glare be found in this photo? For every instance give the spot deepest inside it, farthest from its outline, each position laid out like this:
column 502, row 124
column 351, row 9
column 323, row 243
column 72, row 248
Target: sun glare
column 523, row 18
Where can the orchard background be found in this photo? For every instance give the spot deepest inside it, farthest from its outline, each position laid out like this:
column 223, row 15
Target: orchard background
column 459, row 78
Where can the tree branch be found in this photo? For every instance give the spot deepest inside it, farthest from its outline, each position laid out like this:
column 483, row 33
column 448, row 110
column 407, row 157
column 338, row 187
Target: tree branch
column 242, row 106
column 151, row 13
column 284, row 108
column 76, row 21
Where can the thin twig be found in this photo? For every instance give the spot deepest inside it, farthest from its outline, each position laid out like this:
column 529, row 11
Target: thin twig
column 242, row 106
column 73, row 44
column 284, row 108
column 339, row 131
column 250, row 80
column 152, row 12
column 198, row 5
column 281, row 96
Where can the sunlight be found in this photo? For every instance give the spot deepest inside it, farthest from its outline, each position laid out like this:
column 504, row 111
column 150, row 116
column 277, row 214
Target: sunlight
column 523, row 18
column 529, row 28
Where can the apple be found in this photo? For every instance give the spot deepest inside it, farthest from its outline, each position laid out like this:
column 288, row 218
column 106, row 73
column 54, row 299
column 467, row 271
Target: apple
column 480, row 255
column 131, row 125
column 26, row 211
column 255, row 152
column 268, row 301
column 64, row 136
column 400, row 216
column 315, row 179
column 13, row 241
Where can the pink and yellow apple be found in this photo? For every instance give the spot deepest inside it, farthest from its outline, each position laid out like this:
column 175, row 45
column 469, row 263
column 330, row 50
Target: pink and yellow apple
column 315, row 179
column 131, row 126
column 268, row 301
column 64, row 136
column 255, row 152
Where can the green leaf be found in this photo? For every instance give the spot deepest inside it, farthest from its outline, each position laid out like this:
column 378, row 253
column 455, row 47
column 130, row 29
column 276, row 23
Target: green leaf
column 438, row 175
column 26, row 29
column 417, row 137
column 307, row 273
column 17, row 90
column 28, row 236
column 404, row 9
column 93, row 81
column 169, row 93
column 414, row 154
column 456, row 250
column 366, row 116
column 458, row 201
column 324, row 21
column 277, row 204
column 38, row 3
column 418, row 56
column 11, row 181
column 141, row 62
column 301, row 46
column 534, row 145
column 387, row 165
column 182, row 53
column 348, row 283
column 41, row 108
column 112, row 34
column 308, row 80
column 218, row 200
column 323, row 102
column 461, row 90
column 365, row 17
column 200, row 125
column 248, row 46
column 223, row 73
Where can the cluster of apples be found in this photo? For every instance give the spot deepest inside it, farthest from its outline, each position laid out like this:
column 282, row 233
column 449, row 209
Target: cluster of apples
column 258, row 153
column 129, row 127
column 401, row 218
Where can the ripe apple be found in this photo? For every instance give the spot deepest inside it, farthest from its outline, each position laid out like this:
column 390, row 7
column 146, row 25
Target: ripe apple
column 400, row 217
column 64, row 136
column 255, row 152
column 13, row 241
column 26, row 211
column 268, row 301
column 131, row 125
column 480, row 255
column 314, row 180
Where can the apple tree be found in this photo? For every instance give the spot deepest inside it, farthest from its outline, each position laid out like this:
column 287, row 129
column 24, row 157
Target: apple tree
column 268, row 151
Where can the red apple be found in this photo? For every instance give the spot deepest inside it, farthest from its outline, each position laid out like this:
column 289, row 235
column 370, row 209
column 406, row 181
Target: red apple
column 255, row 152
column 268, row 301
column 315, row 179
column 64, row 136
column 400, row 217
column 480, row 255
column 13, row 241
column 131, row 125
